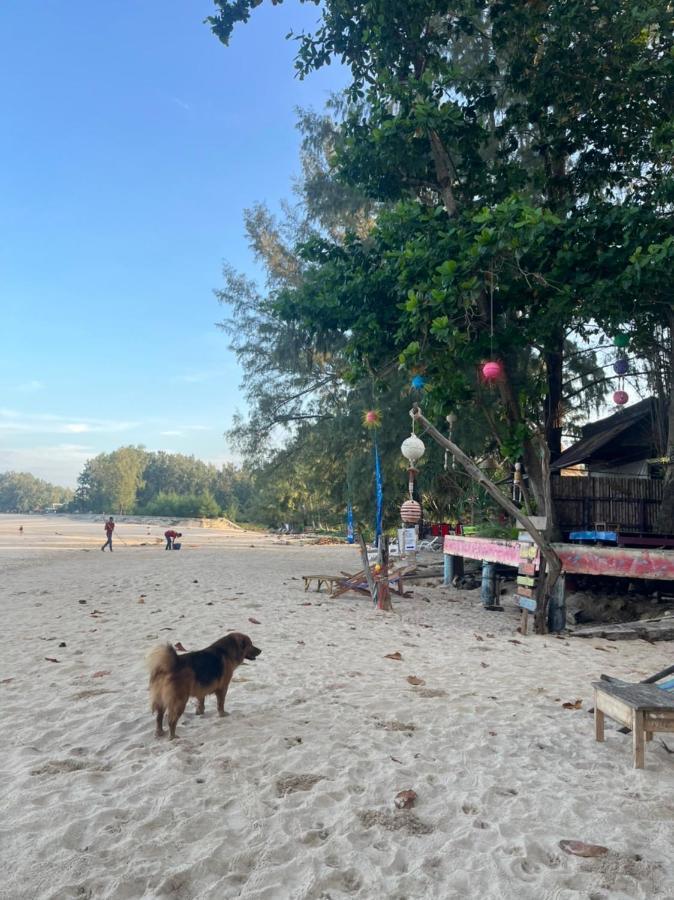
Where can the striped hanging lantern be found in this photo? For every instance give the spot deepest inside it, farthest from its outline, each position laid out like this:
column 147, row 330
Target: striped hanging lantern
column 410, row 512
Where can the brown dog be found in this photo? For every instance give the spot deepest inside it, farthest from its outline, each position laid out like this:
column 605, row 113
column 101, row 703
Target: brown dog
column 174, row 679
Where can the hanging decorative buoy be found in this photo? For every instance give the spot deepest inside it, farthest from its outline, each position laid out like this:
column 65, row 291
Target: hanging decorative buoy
column 492, row 370
column 621, row 366
column 620, row 398
column 412, row 448
column 621, row 340
column 418, row 382
column 372, row 418
column 410, row 512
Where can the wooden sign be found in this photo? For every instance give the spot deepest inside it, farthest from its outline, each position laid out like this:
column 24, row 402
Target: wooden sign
column 526, row 580
column 527, row 603
column 525, row 591
column 528, row 551
column 527, row 568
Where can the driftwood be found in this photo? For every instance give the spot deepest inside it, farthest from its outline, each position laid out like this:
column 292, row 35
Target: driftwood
column 644, row 629
column 553, row 565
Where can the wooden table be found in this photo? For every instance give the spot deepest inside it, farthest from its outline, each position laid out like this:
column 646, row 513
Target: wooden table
column 644, row 708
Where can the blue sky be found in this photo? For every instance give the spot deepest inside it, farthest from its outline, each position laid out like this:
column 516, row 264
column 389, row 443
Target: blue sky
column 132, row 141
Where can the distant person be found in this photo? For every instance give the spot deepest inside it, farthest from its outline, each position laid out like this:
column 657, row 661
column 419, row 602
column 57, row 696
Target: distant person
column 170, row 536
column 20, row 529
column 109, row 528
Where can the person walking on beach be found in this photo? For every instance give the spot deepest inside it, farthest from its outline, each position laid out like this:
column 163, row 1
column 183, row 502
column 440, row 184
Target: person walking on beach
column 170, row 536
column 109, row 528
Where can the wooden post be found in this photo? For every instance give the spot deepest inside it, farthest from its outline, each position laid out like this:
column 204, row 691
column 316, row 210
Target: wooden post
column 488, row 588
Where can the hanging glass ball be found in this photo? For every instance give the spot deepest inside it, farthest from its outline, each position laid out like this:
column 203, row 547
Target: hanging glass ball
column 412, row 448
column 492, row 371
column 621, row 340
column 621, row 367
column 410, row 512
column 418, row 382
column 620, row 398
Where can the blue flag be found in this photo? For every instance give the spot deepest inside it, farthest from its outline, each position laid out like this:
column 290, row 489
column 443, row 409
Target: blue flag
column 379, row 494
column 349, row 524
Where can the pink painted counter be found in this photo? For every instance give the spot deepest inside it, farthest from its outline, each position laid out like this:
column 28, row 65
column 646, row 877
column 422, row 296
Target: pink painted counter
column 622, row 562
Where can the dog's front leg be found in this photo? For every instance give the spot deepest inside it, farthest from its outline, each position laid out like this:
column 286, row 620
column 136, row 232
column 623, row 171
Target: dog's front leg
column 220, row 695
column 201, row 707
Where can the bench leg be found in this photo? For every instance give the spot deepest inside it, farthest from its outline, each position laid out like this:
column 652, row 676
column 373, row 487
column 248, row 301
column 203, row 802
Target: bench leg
column 598, row 723
column 649, row 735
column 638, row 738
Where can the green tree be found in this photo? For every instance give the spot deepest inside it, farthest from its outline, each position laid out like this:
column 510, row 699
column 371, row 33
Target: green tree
column 21, row 492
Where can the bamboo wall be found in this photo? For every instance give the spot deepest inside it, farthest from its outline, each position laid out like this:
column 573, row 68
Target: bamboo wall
column 631, row 504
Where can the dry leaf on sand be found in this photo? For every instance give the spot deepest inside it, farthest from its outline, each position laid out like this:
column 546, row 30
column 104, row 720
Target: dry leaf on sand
column 573, row 704
column 100, row 674
column 414, row 679
column 580, row 848
column 254, row 621
column 405, row 799
column 395, row 655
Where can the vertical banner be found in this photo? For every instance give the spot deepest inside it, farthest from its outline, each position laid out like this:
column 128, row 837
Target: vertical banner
column 379, row 494
column 349, row 524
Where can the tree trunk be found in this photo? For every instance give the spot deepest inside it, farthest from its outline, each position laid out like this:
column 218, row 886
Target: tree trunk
column 665, row 520
column 553, row 565
column 445, row 173
column 553, row 401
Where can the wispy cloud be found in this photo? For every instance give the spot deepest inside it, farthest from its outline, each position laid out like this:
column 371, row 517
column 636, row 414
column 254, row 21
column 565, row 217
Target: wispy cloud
column 30, row 387
column 14, row 422
column 181, row 103
column 171, row 433
column 192, row 377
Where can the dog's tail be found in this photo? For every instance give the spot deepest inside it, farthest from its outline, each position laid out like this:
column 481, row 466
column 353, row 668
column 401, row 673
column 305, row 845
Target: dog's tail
column 161, row 660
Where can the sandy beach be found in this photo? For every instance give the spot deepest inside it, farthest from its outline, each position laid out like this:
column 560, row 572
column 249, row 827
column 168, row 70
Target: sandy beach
column 291, row 795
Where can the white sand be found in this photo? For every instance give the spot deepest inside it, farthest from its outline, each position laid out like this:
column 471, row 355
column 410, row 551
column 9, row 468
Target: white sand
column 95, row 807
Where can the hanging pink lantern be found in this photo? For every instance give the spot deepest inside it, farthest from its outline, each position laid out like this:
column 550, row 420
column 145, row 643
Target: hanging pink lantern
column 620, row 398
column 372, row 418
column 492, row 371
column 410, row 512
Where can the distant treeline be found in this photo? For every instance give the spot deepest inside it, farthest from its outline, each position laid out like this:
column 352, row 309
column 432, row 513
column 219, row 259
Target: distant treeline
column 132, row 480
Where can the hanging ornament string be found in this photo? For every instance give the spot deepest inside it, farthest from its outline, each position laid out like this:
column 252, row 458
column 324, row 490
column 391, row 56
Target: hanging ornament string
column 491, row 312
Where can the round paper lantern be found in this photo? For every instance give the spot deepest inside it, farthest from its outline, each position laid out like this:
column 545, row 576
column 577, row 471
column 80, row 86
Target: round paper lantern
column 620, row 398
column 410, row 512
column 418, row 382
column 621, row 340
column 621, row 367
column 412, row 448
column 492, row 371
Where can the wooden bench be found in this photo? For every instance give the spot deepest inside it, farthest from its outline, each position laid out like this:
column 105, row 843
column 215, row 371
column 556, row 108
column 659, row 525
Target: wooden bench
column 330, row 580
column 644, row 708
column 341, row 584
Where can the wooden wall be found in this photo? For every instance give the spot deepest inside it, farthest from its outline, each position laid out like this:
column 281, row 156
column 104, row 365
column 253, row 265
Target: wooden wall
column 630, row 503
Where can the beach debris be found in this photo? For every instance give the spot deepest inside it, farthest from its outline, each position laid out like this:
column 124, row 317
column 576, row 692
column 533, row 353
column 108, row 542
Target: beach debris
column 51, row 659
column 62, row 644
column 572, row 704
column 254, row 621
column 484, row 665
column 660, row 741
column 290, row 784
column 580, row 848
column 405, row 799
column 395, row 725
column 180, row 647
column 414, row 679
column 7, row 681
column 396, row 656
column 395, row 759
column 478, row 637
column 514, row 641
column 301, row 642
column 100, row 674
column 81, row 601
column 492, row 733
column 394, row 821
column 141, row 599
column 196, row 581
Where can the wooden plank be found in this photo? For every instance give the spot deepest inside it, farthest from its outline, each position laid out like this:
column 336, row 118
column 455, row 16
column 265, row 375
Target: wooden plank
column 525, row 591
column 487, row 549
column 614, row 709
column 528, row 551
column 527, row 603
column 526, row 580
column 638, row 696
column 527, row 568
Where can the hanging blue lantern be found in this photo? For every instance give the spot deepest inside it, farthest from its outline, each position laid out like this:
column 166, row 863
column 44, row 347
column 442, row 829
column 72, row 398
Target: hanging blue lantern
column 621, row 366
column 418, row 382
